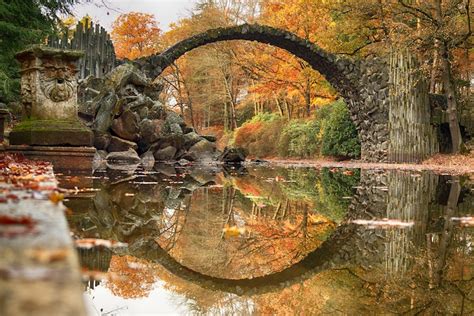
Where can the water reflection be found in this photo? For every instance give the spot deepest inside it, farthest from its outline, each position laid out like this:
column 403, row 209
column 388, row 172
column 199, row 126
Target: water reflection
column 274, row 240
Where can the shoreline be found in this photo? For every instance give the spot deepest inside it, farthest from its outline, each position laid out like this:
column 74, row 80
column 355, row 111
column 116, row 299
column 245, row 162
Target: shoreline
column 437, row 164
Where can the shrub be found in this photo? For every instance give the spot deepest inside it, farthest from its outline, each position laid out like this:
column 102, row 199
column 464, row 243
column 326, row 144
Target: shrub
column 260, row 135
column 300, row 139
column 340, row 138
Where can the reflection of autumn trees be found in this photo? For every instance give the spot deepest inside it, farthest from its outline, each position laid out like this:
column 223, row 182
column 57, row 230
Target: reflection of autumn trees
column 134, row 277
column 265, row 238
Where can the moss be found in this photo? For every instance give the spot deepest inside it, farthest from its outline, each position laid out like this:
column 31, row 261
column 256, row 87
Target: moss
column 50, row 125
column 44, row 51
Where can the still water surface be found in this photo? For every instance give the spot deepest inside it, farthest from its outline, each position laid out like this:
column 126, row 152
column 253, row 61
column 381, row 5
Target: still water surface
column 276, row 240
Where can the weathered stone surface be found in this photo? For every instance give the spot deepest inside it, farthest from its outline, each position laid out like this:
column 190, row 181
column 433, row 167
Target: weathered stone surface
column 118, row 144
column 176, row 129
column 151, row 130
column 48, row 83
column 51, row 133
column 203, row 150
column 165, row 154
column 123, row 75
column 105, row 111
column 174, row 118
column 129, row 156
column 126, row 126
column 101, row 140
column 177, row 141
column 190, row 139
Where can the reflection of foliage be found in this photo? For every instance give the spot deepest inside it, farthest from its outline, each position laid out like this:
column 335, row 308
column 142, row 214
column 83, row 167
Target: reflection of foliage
column 335, row 188
column 134, row 277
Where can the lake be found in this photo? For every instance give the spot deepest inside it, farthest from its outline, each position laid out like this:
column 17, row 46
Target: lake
column 264, row 239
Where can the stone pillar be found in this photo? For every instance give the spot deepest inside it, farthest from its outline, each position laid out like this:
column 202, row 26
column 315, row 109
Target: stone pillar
column 412, row 136
column 49, row 98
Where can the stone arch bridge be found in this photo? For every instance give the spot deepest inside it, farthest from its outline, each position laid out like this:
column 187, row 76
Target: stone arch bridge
column 364, row 84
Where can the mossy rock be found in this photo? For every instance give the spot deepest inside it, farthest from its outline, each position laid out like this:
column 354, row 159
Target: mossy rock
column 51, row 133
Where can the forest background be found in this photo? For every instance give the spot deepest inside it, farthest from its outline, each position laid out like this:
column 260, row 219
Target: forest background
column 260, row 97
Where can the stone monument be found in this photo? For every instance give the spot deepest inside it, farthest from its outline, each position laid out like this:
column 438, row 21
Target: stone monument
column 50, row 128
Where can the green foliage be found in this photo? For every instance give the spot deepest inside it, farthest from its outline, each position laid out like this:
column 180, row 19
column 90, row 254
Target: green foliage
column 330, row 133
column 340, row 136
column 23, row 23
column 300, row 139
column 335, row 190
column 265, row 117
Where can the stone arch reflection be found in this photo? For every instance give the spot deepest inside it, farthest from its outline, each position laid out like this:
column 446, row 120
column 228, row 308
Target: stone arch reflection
column 382, row 253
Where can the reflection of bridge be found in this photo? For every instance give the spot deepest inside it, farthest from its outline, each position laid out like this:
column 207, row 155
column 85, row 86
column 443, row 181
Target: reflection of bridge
column 395, row 195
column 364, row 84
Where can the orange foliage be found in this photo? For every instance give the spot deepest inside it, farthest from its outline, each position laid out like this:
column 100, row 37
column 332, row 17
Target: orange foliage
column 247, row 133
column 135, row 35
column 135, row 277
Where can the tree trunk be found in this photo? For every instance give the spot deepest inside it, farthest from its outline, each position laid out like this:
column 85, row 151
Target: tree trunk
column 449, row 87
column 450, row 92
column 288, row 109
column 307, row 97
column 279, row 106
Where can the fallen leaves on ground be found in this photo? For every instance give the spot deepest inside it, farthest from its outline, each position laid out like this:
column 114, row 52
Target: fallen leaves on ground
column 14, row 226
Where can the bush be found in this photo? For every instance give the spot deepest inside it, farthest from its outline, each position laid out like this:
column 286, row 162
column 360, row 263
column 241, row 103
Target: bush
column 330, row 133
column 260, row 135
column 340, row 138
column 300, row 139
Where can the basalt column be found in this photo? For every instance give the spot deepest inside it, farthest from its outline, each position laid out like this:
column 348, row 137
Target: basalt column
column 50, row 128
column 412, row 137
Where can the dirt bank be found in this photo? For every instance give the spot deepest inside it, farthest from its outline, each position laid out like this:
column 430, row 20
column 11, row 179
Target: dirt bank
column 450, row 164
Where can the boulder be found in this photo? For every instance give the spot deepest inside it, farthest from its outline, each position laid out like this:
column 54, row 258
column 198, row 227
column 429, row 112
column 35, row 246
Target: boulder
column 232, row 155
column 129, row 156
column 174, row 118
column 101, row 140
column 126, row 126
column 157, row 111
column 151, row 130
column 143, row 113
column 165, row 154
column 125, row 74
column 88, row 89
column 174, row 140
column 203, row 150
column 117, row 144
column 190, row 139
column 175, row 129
column 105, row 111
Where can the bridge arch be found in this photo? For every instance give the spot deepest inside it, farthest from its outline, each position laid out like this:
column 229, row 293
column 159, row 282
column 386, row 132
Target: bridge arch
column 363, row 84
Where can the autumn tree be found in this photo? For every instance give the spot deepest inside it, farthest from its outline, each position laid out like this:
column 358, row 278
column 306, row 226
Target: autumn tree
column 435, row 30
column 135, row 35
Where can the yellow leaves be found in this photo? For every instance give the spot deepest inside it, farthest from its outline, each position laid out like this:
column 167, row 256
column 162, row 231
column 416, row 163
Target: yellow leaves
column 56, row 197
column 233, row 231
column 314, row 219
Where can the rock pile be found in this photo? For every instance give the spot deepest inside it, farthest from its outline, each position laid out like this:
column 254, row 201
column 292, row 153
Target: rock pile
column 130, row 123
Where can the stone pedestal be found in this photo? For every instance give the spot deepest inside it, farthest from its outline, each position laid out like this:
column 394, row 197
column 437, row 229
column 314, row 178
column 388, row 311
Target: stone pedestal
column 50, row 119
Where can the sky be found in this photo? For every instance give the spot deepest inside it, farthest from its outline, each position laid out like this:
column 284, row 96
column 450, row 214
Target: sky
column 165, row 11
